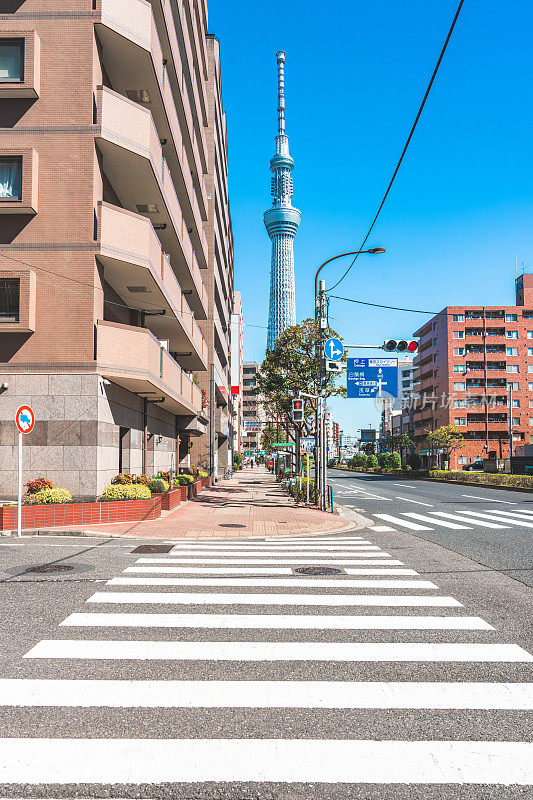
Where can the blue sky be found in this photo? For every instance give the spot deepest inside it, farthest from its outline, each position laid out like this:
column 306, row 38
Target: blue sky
column 462, row 204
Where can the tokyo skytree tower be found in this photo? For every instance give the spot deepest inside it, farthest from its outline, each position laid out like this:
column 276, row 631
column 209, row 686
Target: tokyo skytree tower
column 281, row 222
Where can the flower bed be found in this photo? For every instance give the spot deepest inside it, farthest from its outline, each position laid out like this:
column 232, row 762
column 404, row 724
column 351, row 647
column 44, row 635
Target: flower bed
column 56, row 516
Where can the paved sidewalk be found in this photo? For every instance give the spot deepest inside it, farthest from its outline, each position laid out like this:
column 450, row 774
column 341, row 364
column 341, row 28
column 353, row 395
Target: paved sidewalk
column 249, row 504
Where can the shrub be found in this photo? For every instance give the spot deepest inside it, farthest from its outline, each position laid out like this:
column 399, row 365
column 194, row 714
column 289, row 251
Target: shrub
column 143, row 479
column 414, row 461
column 298, row 490
column 38, row 485
column 122, row 478
column 395, row 461
column 127, row 491
column 371, row 461
column 488, row 479
column 158, row 485
column 48, row 497
column 185, row 480
column 237, row 459
column 164, row 475
column 203, row 474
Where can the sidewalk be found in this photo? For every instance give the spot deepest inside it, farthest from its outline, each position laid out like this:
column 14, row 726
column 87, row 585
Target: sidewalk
column 250, row 504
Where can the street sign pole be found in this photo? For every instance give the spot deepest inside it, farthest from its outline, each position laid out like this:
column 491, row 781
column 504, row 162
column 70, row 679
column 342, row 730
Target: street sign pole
column 322, row 324
column 19, row 504
column 307, row 456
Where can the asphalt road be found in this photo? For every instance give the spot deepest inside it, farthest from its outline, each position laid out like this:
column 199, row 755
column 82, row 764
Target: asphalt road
column 215, row 671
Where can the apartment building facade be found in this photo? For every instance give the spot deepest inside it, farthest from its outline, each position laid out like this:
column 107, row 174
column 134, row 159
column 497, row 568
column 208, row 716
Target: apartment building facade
column 105, row 220
column 474, row 370
column 214, row 451
column 254, row 415
column 237, row 361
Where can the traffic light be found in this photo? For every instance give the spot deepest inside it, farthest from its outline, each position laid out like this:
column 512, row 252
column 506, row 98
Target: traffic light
column 400, row 345
column 297, row 410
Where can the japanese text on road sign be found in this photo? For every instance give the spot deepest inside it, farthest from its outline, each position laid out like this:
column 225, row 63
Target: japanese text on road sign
column 372, row 377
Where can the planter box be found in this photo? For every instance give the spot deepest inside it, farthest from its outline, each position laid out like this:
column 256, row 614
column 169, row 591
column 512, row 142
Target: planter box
column 171, row 499
column 56, row 516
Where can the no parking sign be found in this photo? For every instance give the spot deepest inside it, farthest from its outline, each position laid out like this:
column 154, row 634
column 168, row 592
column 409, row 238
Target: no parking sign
column 25, row 422
column 25, row 419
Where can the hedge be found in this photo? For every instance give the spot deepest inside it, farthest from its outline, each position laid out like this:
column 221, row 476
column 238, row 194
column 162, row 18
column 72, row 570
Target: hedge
column 126, row 491
column 486, row 478
column 47, row 497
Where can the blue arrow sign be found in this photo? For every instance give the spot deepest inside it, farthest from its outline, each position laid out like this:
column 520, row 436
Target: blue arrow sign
column 334, row 349
column 372, row 377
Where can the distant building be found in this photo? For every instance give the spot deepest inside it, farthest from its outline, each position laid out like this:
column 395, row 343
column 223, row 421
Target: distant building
column 237, row 373
column 253, row 414
column 474, row 370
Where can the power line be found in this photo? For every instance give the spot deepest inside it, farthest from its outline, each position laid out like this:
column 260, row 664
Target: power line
column 380, row 305
column 406, row 144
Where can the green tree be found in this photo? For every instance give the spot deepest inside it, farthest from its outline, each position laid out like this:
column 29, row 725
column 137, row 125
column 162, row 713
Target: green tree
column 414, row 461
column 268, row 437
column 446, row 438
column 290, row 367
column 401, row 441
column 371, row 461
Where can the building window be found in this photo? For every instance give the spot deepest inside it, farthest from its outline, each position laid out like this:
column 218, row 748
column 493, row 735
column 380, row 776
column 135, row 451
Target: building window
column 459, row 403
column 529, row 334
column 458, row 334
column 459, row 351
column 460, row 420
column 11, row 60
column 10, row 178
column 462, row 460
column 514, row 386
column 531, row 402
column 512, row 334
column 9, row 299
column 459, row 387
column 511, row 317
column 513, row 351
column 516, row 421
column 458, row 317
column 459, row 367
column 514, row 368
column 516, row 404
column 531, row 420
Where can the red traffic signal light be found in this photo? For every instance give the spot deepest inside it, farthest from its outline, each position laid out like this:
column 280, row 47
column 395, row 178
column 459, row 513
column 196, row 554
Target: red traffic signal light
column 297, row 410
column 412, row 346
column 400, row 345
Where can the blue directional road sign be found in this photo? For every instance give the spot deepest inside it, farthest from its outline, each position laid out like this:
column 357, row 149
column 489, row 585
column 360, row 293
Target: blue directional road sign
column 334, row 349
column 372, row 377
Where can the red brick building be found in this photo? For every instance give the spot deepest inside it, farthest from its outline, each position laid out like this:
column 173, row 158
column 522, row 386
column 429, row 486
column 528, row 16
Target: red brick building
column 474, row 370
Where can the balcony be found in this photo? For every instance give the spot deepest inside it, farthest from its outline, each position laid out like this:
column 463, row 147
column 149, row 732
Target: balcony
column 134, row 359
column 134, row 60
column 134, row 163
column 139, row 272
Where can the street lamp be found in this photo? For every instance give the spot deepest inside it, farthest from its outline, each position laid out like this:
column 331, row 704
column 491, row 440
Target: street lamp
column 320, row 429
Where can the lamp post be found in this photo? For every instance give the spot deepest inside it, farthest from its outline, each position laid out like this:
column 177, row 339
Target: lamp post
column 320, row 419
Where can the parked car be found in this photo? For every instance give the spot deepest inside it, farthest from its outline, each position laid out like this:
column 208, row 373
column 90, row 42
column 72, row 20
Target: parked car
column 474, row 465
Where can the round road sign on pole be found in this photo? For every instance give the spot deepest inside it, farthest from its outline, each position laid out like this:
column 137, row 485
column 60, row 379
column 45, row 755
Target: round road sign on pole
column 334, row 349
column 25, row 419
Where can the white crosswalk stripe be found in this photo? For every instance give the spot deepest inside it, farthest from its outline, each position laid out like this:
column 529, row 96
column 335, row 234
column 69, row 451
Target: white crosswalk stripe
column 481, row 523
column 262, row 631
column 425, row 518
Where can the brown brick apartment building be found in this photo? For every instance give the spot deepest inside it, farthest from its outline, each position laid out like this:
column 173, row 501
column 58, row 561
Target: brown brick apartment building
column 471, row 360
column 108, row 112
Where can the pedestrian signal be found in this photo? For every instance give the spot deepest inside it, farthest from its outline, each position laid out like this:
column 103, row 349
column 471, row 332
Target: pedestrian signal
column 297, row 410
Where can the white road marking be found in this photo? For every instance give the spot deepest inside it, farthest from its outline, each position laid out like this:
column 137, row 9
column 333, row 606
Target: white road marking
column 12, row 544
column 467, row 519
column 267, row 571
column 320, row 538
column 216, row 598
column 21, row 692
column 381, row 528
column 418, row 503
column 487, row 500
column 404, row 485
column 499, row 516
column 413, row 526
column 249, row 549
column 127, row 650
column 278, row 622
column 373, row 560
column 514, row 515
column 340, row 551
column 257, row 558
column 353, row 761
column 423, row 518
column 304, row 583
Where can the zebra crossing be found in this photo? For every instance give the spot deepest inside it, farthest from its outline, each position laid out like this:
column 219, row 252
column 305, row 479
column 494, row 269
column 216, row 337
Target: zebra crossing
column 458, row 519
column 368, row 637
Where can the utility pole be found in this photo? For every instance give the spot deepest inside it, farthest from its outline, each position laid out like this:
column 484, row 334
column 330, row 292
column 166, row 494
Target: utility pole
column 322, row 465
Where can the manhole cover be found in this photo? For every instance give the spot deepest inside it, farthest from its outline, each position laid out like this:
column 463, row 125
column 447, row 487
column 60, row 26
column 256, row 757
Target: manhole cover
column 230, row 525
column 51, row 568
column 318, row 571
column 153, row 548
